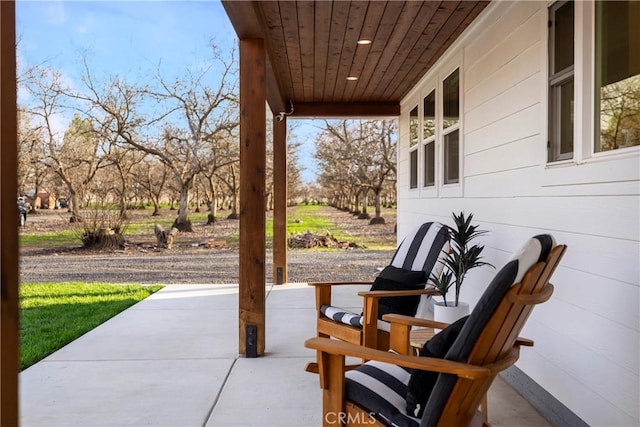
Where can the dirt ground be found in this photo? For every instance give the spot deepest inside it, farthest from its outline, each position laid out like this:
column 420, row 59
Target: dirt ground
column 198, row 257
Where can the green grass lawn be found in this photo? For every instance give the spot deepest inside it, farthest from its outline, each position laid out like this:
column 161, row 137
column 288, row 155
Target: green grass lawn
column 146, row 225
column 305, row 218
column 300, row 219
column 54, row 314
column 62, row 238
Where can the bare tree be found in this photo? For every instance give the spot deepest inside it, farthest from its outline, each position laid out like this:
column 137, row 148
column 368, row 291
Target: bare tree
column 224, row 154
column 123, row 159
column 189, row 113
column 32, row 170
column 152, row 176
column 208, row 113
column 230, row 177
column 381, row 140
column 75, row 157
column 356, row 158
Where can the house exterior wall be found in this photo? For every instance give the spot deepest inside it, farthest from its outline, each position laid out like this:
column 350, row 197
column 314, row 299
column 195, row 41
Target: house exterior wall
column 586, row 352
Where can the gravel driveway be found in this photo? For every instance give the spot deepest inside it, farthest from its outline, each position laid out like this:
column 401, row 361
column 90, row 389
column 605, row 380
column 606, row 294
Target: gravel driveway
column 197, row 266
column 190, row 262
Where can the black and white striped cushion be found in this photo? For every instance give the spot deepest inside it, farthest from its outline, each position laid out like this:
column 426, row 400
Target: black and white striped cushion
column 422, row 247
column 381, row 389
column 349, row 317
column 341, row 315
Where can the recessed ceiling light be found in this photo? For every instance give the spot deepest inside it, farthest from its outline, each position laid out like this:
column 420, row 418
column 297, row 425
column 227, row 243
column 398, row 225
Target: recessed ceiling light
column 352, row 78
column 364, row 41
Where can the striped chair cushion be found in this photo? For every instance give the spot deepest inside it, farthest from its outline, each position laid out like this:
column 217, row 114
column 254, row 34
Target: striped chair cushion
column 423, row 249
column 380, row 388
column 341, row 315
column 349, row 317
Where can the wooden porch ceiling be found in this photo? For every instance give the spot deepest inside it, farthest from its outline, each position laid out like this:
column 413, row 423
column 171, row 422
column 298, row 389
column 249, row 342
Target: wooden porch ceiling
column 312, row 47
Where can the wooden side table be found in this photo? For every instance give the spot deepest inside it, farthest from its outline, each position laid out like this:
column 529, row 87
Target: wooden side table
column 419, row 336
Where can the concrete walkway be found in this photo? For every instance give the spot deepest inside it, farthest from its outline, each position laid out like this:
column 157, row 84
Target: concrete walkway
column 171, row 360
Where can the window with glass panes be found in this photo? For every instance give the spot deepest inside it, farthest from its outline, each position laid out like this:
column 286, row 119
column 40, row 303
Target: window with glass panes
column 561, row 99
column 617, row 75
column 451, row 127
column 413, row 146
column 429, row 139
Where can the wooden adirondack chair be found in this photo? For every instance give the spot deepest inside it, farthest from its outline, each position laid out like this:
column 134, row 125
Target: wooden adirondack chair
column 486, row 344
column 420, row 251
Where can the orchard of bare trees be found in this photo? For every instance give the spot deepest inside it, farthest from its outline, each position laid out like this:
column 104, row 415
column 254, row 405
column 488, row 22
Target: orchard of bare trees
column 108, row 140
column 357, row 161
column 119, row 142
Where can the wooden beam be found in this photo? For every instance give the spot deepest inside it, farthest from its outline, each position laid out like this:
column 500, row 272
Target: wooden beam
column 248, row 23
column 252, row 197
column 9, row 309
column 346, row 109
column 280, row 201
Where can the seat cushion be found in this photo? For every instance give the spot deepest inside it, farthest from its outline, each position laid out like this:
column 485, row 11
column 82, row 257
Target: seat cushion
column 350, row 318
column 399, row 279
column 341, row 315
column 380, row 388
column 422, row 382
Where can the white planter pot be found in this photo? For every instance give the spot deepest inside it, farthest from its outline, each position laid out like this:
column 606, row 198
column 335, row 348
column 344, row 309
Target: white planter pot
column 449, row 314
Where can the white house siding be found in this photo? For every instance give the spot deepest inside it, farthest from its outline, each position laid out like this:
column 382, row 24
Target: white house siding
column 587, row 336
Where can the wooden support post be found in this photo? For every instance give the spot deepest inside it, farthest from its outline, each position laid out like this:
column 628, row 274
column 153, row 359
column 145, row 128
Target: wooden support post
column 252, row 197
column 280, row 201
column 9, row 311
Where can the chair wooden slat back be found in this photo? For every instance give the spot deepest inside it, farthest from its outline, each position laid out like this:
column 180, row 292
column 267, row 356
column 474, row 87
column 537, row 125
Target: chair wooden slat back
column 499, row 337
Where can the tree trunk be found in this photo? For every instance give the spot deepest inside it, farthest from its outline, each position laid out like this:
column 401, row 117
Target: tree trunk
column 211, row 219
column 356, row 204
column 73, row 207
column 378, row 219
column 182, row 222
column 365, row 201
column 234, row 206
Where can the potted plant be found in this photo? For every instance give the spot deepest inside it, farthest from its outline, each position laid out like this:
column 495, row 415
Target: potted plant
column 462, row 257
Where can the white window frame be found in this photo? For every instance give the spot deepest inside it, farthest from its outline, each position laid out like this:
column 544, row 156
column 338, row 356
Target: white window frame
column 415, row 148
column 555, row 82
column 432, row 190
column 563, row 172
column 454, row 189
column 434, row 80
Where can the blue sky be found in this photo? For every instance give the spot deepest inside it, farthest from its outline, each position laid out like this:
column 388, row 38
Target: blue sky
column 131, row 39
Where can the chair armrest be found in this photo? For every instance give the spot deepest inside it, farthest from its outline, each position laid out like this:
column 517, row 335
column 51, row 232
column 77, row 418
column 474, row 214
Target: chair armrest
column 370, row 310
column 329, row 284
column 323, row 291
column 524, row 342
column 342, row 348
column 413, row 321
column 386, row 294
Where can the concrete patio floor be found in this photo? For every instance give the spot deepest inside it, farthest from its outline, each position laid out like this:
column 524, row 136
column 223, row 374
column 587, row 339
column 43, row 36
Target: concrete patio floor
column 171, row 360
